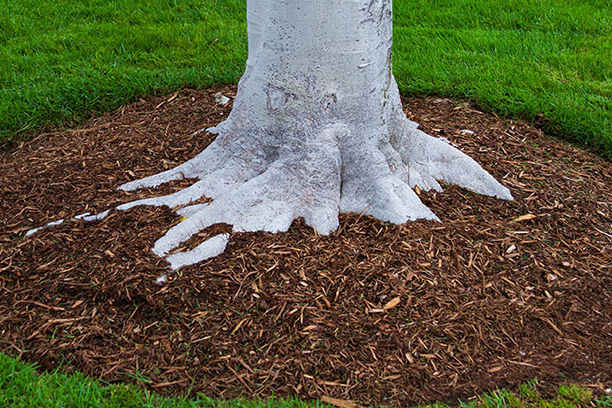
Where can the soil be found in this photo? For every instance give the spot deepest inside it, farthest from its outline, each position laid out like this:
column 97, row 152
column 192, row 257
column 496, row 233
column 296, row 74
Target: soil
column 496, row 294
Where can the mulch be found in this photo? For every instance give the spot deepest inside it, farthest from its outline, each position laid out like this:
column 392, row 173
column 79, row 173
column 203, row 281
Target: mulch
column 497, row 294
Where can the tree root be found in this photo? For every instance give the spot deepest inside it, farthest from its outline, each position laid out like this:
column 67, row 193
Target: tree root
column 315, row 177
column 316, row 129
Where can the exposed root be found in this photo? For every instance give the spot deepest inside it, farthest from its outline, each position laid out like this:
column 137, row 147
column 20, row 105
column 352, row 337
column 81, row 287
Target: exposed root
column 315, row 176
column 432, row 159
column 371, row 187
column 51, row 224
column 206, row 250
column 204, row 163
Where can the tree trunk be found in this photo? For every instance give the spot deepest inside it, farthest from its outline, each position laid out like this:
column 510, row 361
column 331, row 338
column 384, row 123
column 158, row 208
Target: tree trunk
column 317, row 128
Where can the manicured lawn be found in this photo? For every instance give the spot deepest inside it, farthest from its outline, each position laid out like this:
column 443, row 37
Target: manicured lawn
column 547, row 61
column 22, row 387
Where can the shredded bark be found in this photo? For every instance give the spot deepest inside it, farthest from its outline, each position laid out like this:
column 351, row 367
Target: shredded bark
column 495, row 295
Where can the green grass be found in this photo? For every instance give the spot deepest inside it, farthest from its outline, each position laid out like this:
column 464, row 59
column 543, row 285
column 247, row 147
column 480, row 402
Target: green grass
column 541, row 60
column 22, row 387
column 61, row 60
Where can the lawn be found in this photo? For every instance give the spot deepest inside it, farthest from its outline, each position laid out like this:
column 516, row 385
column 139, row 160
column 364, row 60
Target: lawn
column 22, row 387
column 546, row 61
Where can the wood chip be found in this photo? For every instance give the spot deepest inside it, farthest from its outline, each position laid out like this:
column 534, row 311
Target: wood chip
column 339, row 403
column 392, row 304
column 526, row 217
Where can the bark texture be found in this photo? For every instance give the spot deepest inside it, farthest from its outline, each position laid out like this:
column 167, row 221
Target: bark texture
column 317, row 128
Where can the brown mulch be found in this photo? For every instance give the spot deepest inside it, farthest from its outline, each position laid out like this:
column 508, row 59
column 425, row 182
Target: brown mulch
column 495, row 295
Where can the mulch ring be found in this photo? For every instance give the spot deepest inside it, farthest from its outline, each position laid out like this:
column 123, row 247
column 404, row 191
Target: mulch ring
column 495, row 295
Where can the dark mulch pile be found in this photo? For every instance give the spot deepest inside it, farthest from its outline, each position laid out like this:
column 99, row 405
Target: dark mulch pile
column 497, row 294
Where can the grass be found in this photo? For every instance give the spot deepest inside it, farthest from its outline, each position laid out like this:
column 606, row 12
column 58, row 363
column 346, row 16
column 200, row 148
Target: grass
column 547, row 61
column 22, row 387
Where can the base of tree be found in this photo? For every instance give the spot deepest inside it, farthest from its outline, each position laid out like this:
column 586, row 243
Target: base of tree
column 316, row 174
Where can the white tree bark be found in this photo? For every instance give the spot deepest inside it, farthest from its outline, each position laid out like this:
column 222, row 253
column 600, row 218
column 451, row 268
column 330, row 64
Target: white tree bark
column 317, row 128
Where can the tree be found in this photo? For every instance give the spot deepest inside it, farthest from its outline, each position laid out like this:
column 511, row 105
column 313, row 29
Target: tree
column 317, row 128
